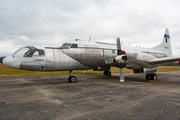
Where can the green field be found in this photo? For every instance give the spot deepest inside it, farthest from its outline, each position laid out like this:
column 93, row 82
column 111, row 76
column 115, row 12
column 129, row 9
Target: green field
column 9, row 72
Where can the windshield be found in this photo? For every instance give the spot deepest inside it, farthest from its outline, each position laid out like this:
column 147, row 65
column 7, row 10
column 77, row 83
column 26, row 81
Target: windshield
column 28, row 52
column 66, row 45
column 69, row 45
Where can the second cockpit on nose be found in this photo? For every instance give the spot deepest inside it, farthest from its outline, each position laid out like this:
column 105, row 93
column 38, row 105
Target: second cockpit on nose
column 28, row 51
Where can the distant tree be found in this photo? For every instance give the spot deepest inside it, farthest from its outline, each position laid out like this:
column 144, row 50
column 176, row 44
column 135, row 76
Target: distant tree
column 1, row 59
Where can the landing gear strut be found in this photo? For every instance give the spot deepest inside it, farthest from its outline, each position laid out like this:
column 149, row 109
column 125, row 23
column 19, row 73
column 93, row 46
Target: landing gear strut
column 71, row 79
column 151, row 77
column 107, row 73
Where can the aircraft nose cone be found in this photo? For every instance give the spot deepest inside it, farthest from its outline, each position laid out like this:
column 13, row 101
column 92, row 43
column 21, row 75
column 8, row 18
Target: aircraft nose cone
column 10, row 62
column 6, row 61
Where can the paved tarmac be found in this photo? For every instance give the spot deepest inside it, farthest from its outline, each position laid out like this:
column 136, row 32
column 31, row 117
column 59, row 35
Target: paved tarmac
column 91, row 97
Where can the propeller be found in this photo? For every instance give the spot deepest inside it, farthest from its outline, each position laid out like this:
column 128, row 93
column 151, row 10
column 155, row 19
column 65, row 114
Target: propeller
column 120, row 59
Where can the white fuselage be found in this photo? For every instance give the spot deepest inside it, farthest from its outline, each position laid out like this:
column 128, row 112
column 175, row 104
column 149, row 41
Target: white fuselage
column 83, row 56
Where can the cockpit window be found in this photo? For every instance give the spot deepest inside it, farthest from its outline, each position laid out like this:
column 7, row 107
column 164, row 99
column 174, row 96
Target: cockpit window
column 66, row 45
column 74, row 46
column 28, row 52
column 69, row 45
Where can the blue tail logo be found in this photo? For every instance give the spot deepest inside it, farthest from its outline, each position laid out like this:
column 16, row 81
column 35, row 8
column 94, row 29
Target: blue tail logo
column 166, row 36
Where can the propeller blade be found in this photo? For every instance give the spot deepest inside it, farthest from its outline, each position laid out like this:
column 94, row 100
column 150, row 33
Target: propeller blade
column 121, row 75
column 118, row 46
column 119, row 53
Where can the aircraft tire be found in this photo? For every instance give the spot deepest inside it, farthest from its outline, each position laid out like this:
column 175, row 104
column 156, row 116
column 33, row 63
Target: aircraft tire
column 154, row 76
column 105, row 72
column 109, row 73
column 72, row 79
column 148, row 77
column 151, row 77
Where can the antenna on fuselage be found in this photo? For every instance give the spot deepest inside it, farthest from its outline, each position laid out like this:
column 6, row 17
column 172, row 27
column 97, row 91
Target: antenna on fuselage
column 77, row 39
column 122, row 43
column 89, row 38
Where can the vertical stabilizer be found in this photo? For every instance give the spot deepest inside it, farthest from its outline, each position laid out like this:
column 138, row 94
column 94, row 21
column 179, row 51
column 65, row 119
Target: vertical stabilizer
column 165, row 46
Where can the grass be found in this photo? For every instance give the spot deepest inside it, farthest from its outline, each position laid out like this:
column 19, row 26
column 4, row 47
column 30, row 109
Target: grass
column 168, row 68
column 9, row 72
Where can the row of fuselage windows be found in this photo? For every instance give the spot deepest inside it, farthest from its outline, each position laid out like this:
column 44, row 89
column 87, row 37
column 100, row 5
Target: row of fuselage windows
column 76, row 46
column 69, row 45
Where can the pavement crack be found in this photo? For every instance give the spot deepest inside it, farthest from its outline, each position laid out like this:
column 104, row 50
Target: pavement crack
column 50, row 98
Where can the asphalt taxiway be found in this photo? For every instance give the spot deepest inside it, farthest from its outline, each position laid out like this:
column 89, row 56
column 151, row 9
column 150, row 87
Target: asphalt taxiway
column 91, row 97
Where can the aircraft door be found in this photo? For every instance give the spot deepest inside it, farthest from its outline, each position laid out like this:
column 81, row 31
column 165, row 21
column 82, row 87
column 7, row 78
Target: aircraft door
column 50, row 59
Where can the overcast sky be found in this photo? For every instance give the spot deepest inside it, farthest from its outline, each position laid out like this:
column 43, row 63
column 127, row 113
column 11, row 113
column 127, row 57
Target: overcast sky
column 50, row 23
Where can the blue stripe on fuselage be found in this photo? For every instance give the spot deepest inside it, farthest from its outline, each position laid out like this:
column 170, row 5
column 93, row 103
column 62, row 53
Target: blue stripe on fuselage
column 166, row 36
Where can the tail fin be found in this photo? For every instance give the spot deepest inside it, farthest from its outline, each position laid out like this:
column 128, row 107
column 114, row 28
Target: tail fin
column 165, row 46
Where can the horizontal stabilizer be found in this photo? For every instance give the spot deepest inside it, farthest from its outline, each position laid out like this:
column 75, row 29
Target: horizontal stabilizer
column 164, row 60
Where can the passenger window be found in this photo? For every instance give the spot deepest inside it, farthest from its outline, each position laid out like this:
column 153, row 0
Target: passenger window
column 113, row 51
column 74, row 46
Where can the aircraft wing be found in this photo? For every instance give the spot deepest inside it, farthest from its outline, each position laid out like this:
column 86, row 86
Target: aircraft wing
column 163, row 60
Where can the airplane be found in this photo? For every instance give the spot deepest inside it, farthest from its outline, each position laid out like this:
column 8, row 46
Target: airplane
column 98, row 56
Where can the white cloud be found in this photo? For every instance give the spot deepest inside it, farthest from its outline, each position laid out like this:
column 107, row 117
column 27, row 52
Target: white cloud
column 38, row 23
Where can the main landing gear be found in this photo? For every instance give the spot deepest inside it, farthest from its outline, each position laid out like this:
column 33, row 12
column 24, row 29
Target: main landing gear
column 107, row 73
column 151, row 77
column 71, row 79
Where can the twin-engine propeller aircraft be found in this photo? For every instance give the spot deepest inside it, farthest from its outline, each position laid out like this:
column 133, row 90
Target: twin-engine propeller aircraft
column 80, row 55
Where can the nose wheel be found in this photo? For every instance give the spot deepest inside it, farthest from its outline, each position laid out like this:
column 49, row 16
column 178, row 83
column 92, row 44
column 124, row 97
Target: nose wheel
column 71, row 79
column 151, row 77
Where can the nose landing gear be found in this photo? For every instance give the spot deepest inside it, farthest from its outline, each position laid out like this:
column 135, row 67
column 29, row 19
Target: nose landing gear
column 71, row 79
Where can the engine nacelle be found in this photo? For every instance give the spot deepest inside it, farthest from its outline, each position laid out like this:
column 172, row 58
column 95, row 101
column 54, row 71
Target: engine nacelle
column 149, row 70
column 146, row 71
column 121, row 58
